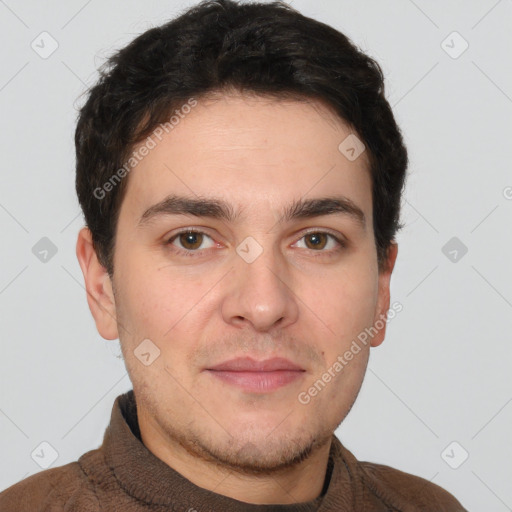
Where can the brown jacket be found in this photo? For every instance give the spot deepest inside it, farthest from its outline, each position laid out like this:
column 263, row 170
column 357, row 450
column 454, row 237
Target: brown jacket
column 123, row 475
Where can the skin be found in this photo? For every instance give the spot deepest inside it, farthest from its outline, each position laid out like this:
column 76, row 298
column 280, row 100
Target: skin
column 296, row 300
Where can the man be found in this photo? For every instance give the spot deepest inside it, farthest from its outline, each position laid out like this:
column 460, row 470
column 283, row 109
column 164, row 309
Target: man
column 240, row 173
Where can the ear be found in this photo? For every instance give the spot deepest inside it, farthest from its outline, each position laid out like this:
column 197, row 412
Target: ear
column 383, row 294
column 100, row 296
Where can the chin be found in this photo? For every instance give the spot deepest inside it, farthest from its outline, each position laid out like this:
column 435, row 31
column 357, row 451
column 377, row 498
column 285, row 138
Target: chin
column 264, row 454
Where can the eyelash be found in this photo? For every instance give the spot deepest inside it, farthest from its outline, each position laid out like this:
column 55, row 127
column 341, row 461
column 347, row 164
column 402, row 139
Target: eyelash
column 197, row 253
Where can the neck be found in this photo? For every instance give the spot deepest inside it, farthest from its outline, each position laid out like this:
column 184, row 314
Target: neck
column 301, row 483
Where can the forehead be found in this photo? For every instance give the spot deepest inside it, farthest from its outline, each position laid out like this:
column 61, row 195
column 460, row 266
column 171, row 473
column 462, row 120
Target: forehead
column 254, row 152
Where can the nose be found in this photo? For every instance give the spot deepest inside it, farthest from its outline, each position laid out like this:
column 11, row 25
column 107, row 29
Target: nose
column 260, row 294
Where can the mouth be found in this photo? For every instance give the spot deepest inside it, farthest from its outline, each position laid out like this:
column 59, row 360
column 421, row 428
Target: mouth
column 257, row 376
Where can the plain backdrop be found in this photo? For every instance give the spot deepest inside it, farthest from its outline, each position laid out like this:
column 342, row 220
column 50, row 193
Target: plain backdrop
column 436, row 398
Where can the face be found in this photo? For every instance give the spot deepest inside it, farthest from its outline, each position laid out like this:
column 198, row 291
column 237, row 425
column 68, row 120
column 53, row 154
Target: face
column 255, row 279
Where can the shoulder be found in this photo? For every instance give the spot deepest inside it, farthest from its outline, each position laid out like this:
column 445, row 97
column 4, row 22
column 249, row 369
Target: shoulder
column 62, row 488
column 395, row 488
column 395, row 485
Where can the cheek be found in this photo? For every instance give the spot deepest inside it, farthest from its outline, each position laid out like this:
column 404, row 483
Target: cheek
column 159, row 301
column 143, row 300
column 345, row 301
column 157, row 306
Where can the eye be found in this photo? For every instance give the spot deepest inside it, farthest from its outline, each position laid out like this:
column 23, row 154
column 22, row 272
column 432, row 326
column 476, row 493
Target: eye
column 320, row 240
column 190, row 241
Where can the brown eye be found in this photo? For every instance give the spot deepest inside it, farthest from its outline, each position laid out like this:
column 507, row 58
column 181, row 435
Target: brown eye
column 190, row 240
column 316, row 240
column 322, row 242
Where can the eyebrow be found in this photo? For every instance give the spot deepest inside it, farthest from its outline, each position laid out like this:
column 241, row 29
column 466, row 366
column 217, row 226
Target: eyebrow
column 219, row 209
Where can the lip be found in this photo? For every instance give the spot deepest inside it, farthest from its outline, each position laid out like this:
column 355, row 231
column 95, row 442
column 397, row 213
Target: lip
column 257, row 376
column 248, row 364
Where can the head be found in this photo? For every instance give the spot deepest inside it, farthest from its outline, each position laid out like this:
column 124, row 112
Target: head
column 268, row 134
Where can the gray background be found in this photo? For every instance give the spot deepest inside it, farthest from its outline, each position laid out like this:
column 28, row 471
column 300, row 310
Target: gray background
column 443, row 372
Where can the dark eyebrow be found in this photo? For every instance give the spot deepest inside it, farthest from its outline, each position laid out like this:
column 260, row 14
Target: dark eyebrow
column 220, row 209
column 198, row 207
column 308, row 208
